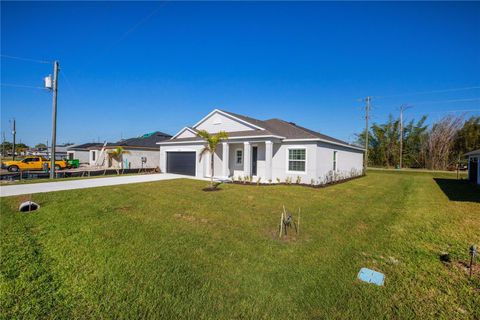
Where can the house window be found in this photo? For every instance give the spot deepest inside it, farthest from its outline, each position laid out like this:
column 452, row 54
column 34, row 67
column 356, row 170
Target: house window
column 239, row 156
column 334, row 160
column 93, row 155
column 296, row 160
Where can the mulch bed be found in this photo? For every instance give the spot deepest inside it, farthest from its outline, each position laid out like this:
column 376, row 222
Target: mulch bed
column 316, row 186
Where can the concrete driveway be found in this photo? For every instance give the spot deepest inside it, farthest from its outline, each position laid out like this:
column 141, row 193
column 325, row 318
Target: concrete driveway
column 15, row 190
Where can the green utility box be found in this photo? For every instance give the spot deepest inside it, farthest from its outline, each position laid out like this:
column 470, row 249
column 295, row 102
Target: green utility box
column 73, row 163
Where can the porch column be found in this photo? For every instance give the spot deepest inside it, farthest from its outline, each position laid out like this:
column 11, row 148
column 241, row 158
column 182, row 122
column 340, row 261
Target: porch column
column 225, row 170
column 268, row 159
column 247, row 159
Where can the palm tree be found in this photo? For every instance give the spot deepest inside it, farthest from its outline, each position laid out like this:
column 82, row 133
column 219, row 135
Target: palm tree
column 212, row 141
column 117, row 155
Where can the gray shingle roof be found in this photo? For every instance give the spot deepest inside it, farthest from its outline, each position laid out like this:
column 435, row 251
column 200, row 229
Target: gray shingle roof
column 147, row 141
column 287, row 129
column 273, row 127
column 84, row 146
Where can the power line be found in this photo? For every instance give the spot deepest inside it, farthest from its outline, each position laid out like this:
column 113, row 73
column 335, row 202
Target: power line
column 447, row 111
column 25, row 59
column 433, row 102
column 20, row 86
column 445, row 101
column 426, row 92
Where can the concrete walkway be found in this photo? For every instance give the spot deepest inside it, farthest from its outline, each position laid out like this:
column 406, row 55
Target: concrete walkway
column 15, row 190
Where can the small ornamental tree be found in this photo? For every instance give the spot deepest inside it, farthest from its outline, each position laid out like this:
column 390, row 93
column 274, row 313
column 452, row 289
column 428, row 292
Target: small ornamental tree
column 212, row 141
column 117, row 155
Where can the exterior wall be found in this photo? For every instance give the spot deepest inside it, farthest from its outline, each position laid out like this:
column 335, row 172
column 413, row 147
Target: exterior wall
column 280, row 162
column 236, row 170
column 201, row 165
column 82, row 156
column 98, row 157
column 319, row 160
column 219, row 122
column 133, row 159
column 186, row 134
column 348, row 160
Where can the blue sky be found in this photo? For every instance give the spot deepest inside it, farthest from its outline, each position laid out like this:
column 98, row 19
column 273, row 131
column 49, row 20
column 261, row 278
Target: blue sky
column 131, row 68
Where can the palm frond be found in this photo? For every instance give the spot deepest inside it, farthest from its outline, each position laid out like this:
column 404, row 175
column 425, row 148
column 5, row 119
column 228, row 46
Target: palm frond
column 204, row 134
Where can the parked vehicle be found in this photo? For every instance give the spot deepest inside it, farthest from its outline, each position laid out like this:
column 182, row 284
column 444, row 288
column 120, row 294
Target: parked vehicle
column 32, row 163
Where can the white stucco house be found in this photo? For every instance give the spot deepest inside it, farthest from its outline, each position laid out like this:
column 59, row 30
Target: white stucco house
column 81, row 151
column 271, row 150
column 473, row 171
column 142, row 152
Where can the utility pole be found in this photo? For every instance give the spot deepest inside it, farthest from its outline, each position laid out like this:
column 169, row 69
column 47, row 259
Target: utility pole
column 367, row 111
column 14, row 133
column 402, row 109
column 54, row 119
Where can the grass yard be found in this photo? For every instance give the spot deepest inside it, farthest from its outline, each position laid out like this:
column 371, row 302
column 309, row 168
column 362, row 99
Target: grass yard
column 168, row 250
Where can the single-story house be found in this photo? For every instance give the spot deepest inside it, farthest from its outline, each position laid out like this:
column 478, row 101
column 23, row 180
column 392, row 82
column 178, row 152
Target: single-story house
column 473, row 170
column 81, row 151
column 140, row 152
column 60, row 151
column 270, row 150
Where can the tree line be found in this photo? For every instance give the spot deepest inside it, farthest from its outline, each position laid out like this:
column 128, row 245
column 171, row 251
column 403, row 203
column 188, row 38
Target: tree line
column 438, row 146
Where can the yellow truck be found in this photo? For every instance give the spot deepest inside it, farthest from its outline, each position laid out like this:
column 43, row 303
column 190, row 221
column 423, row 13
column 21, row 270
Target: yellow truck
column 32, row 163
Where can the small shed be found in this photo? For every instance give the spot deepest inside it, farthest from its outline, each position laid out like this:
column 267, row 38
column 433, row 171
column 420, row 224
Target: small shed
column 473, row 170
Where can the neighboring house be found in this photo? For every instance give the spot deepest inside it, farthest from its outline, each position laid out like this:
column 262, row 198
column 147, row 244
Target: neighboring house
column 81, row 151
column 37, row 152
column 271, row 149
column 473, row 170
column 141, row 152
column 60, row 151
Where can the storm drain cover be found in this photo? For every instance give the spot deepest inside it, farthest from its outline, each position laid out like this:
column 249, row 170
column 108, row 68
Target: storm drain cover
column 371, row 276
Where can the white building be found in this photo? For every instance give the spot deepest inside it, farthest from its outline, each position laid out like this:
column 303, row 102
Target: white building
column 140, row 152
column 81, row 152
column 473, row 160
column 271, row 150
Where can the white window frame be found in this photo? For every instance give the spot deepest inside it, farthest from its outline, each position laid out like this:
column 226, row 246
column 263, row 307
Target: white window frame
column 288, row 160
column 236, row 157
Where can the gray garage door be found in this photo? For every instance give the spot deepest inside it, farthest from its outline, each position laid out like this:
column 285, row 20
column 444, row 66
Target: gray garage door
column 181, row 163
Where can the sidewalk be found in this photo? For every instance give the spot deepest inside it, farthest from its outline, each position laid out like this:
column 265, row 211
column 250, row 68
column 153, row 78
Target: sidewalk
column 20, row 189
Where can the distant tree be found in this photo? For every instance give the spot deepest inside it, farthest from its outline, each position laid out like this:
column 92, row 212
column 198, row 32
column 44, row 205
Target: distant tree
column 414, row 134
column 384, row 143
column 438, row 146
column 468, row 137
column 41, row 146
column 212, row 141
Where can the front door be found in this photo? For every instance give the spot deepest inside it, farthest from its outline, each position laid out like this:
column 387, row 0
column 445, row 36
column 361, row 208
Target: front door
column 254, row 160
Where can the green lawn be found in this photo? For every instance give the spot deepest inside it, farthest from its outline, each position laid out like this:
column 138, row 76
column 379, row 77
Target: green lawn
column 169, row 250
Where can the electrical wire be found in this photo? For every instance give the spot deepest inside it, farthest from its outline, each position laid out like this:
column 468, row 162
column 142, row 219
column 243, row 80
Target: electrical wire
column 20, row 86
column 426, row 92
column 25, row 59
